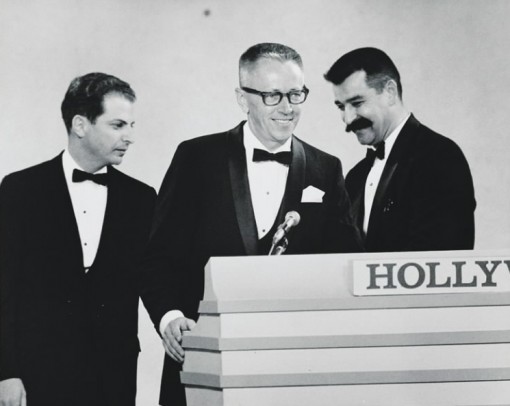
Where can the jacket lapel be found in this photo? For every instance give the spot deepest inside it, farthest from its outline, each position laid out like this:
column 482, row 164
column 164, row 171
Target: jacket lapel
column 294, row 186
column 295, row 181
column 398, row 153
column 65, row 224
column 241, row 190
column 112, row 218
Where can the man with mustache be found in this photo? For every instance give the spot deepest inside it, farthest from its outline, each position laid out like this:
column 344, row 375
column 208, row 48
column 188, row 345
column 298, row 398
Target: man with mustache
column 414, row 190
column 225, row 194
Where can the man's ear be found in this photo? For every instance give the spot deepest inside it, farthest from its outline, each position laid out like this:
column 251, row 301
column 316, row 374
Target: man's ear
column 391, row 89
column 241, row 100
column 79, row 125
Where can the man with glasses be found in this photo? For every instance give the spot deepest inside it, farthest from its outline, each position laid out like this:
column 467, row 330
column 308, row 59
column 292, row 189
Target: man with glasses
column 225, row 194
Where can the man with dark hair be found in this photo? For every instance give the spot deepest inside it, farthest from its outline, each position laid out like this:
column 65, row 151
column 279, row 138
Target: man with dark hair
column 414, row 190
column 72, row 231
column 225, row 194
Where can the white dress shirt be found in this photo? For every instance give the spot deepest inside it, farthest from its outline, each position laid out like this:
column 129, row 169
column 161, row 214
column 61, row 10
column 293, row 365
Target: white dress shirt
column 89, row 205
column 374, row 176
column 267, row 182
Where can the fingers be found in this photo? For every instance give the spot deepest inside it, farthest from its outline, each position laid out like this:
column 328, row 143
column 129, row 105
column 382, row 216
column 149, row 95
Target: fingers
column 171, row 351
column 190, row 324
column 172, row 337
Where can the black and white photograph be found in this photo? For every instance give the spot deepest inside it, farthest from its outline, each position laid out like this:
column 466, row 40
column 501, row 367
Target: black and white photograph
column 272, row 202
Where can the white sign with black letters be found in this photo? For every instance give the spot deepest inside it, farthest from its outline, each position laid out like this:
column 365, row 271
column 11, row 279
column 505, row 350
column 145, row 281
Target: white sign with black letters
column 429, row 276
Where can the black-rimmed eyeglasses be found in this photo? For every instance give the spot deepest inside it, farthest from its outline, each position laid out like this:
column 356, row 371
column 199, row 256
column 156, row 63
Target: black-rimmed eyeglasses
column 274, row 98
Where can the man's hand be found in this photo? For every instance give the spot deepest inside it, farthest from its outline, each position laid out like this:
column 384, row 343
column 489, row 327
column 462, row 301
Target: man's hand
column 12, row 393
column 172, row 337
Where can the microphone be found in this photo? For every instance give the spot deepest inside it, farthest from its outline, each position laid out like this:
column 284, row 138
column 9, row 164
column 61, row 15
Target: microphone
column 292, row 219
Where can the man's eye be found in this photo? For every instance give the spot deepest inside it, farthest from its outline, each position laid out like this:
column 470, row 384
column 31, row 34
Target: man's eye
column 340, row 107
column 272, row 96
column 117, row 125
column 357, row 103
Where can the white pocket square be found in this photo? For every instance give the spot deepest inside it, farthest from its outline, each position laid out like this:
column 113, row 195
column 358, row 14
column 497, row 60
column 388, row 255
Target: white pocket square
column 312, row 195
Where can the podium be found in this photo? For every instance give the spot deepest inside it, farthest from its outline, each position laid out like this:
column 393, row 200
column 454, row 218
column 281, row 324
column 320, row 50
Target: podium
column 416, row 328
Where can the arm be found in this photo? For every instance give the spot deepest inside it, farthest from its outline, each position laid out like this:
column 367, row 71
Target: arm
column 11, row 247
column 341, row 231
column 442, row 210
column 168, row 253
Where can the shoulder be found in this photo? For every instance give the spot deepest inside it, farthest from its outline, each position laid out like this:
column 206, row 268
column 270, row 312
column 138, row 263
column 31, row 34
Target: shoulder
column 130, row 183
column 214, row 140
column 202, row 144
column 422, row 137
column 33, row 175
column 208, row 151
column 317, row 156
column 435, row 147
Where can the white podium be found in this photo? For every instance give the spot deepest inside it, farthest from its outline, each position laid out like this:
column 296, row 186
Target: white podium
column 422, row 328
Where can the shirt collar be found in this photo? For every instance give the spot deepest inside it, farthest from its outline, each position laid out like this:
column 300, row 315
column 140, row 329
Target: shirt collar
column 251, row 142
column 70, row 164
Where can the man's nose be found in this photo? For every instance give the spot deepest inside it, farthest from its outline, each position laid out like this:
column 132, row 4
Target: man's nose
column 285, row 106
column 129, row 135
column 349, row 115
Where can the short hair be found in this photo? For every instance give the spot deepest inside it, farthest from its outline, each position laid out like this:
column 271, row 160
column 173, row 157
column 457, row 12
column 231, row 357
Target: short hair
column 268, row 50
column 378, row 67
column 85, row 96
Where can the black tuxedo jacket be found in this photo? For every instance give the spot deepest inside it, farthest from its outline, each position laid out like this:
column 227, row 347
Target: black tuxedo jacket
column 204, row 209
column 68, row 335
column 425, row 198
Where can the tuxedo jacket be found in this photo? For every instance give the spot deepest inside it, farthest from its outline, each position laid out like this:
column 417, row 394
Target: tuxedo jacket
column 205, row 209
column 425, row 198
column 71, row 337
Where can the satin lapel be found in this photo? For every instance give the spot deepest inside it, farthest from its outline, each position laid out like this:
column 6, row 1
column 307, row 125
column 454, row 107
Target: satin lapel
column 113, row 218
column 398, row 153
column 241, row 190
column 65, row 226
column 358, row 200
column 294, row 186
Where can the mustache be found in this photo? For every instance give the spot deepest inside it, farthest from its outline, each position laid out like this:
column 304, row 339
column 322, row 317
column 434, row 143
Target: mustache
column 359, row 124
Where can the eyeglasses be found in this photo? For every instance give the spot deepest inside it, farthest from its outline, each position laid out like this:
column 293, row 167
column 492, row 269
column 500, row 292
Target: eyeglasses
column 274, row 98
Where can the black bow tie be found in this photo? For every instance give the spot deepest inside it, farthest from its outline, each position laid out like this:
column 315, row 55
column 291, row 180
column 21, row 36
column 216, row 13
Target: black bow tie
column 100, row 178
column 259, row 155
column 377, row 153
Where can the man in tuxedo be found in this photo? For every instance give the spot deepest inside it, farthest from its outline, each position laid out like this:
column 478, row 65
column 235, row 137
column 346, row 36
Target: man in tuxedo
column 225, row 194
column 72, row 231
column 414, row 190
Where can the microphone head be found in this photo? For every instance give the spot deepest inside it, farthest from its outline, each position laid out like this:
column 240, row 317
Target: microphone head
column 294, row 215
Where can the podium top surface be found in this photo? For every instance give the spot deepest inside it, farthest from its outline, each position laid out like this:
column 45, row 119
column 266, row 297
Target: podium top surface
column 300, row 282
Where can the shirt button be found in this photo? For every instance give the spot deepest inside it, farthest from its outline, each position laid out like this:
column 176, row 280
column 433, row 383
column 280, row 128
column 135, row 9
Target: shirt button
column 84, row 211
column 84, row 243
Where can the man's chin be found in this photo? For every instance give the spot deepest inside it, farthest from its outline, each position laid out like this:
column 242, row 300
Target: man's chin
column 364, row 137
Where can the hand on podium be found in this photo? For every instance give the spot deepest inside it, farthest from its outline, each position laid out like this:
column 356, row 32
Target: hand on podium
column 172, row 337
column 12, row 392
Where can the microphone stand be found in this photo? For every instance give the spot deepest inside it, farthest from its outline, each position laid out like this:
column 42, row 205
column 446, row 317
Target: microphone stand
column 280, row 247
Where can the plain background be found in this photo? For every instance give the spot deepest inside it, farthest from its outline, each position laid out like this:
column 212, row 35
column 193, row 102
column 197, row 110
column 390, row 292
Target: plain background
column 181, row 57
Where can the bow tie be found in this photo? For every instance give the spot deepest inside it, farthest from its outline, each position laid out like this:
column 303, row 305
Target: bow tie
column 259, row 155
column 377, row 153
column 100, row 178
